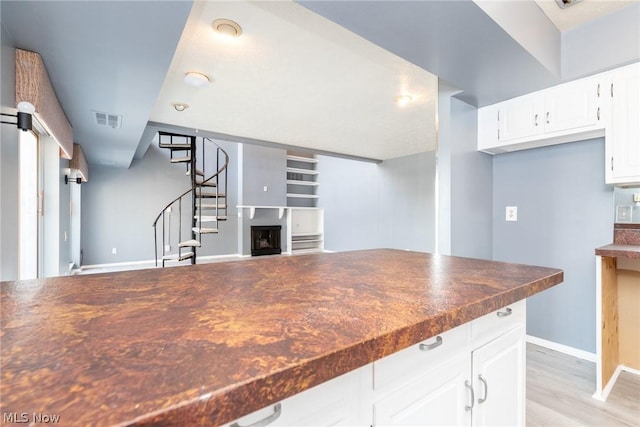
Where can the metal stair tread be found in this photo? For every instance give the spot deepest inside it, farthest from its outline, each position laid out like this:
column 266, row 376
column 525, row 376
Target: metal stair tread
column 210, row 218
column 204, row 230
column 177, row 257
column 210, row 205
column 175, row 146
column 198, row 172
column 207, row 184
column 181, row 159
column 189, row 243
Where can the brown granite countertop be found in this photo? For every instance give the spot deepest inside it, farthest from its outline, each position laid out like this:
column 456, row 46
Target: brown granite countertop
column 615, row 250
column 626, row 242
column 205, row 344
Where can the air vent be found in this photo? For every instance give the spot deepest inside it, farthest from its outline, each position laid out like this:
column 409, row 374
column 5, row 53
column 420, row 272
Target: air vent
column 107, row 119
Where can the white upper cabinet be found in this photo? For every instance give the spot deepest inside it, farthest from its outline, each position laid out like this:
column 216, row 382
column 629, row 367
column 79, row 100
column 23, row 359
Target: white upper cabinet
column 563, row 113
column 572, row 106
column 520, row 117
column 623, row 128
column 607, row 104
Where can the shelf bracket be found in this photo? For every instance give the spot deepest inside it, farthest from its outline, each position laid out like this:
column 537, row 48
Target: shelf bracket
column 252, row 212
column 280, row 213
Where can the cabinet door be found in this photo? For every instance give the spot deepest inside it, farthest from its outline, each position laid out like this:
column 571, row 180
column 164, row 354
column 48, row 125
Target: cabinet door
column 571, row 106
column 521, row 117
column 498, row 373
column 436, row 398
column 623, row 133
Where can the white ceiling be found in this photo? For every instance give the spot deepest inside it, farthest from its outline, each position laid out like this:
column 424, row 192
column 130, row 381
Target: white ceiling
column 298, row 79
column 581, row 12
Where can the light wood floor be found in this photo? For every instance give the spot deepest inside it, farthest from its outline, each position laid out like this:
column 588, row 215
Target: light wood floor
column 559, row 390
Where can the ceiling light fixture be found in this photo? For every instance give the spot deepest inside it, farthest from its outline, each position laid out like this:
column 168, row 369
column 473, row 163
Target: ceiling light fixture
column 227, row 27
column 180, row 106
column 195, row 79
column 403, row 100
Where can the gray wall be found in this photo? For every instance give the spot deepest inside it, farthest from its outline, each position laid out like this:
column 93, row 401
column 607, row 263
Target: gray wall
column 8, row 166
column 368, row 205
column 407, row 202
column 471, row 187
column 263, row 166
column 348, row 193
column 119, row 206
column 564, row 213
column 465, row 181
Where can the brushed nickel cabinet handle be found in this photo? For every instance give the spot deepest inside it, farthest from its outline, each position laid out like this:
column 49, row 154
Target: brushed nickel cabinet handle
column 535, row 120
column 277, row 410
column 598, row 90
column 547, row 117
column 427, row 347
column 473, row 397
column 505, row 313
column 486, row 389
column 598, row 114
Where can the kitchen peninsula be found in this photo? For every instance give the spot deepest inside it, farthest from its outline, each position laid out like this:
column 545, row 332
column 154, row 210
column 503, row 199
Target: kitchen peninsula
column 207, row 344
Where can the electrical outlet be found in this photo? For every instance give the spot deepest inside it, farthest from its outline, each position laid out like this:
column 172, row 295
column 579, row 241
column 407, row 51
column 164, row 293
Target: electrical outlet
column 265, row 188
column 511, row 213
column 167, row 248
column 636, row 197
column 114, row 251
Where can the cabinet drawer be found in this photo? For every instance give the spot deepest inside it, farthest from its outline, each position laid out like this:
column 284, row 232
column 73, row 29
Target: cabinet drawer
column 335, row 402
column 494, row 324
column 400, row 367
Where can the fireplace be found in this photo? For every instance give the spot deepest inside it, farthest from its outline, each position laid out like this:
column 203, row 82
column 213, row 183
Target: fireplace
column 265, row 240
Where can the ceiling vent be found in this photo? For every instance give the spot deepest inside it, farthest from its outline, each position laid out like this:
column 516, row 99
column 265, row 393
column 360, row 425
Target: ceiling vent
column 106, row 119
column 563, row 4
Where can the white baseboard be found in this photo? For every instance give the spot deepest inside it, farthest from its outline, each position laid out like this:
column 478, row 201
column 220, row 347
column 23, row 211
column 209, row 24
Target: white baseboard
column 151, row 263
column 571, row 351
column 605, row 391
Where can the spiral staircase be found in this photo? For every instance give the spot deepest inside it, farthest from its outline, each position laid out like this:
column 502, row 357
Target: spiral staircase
column 201, row 208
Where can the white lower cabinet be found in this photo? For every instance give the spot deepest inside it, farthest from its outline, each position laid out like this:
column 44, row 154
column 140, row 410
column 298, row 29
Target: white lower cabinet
column 498, row 372
column 472, row 375
column 438, row 397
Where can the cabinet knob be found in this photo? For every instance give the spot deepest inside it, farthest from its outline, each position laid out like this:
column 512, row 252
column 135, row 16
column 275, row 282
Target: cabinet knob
column 427, row 347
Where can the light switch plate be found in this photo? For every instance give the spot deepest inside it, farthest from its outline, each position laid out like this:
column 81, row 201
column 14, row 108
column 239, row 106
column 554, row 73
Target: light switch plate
column 511, row 213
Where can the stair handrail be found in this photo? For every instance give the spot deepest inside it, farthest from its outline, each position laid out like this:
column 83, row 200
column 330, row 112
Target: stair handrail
column 218, row 172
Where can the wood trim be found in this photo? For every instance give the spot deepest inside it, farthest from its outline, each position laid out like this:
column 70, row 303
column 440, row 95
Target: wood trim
column 79, row 162
column 609, row 325
column 33, row 85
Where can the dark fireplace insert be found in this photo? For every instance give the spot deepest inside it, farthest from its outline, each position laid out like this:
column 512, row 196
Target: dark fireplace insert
column 265, row 240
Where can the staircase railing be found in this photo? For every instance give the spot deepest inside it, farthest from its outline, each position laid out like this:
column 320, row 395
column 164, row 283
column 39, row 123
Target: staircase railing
column 200, row 200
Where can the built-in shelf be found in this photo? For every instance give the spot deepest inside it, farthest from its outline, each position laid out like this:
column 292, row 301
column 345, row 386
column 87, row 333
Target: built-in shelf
column 296, row 182
column 302, row 180
column 302, row 171
column 302, row 196
column 302, row 159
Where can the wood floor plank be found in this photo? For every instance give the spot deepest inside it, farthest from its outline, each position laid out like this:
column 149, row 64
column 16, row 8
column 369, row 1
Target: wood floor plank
column 559, row 390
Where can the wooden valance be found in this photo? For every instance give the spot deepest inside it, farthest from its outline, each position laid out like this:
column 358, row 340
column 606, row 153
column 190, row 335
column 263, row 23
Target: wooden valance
column 33, row 85
column 79, row 162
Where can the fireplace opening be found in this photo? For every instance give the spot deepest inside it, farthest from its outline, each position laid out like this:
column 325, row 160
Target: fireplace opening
column 265, row 240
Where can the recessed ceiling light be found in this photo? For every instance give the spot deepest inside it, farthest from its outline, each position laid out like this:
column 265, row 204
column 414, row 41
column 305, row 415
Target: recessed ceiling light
column 227, row 27
column 194, row 79
column 563, row 4
column 180, row 106
column 403, row 100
